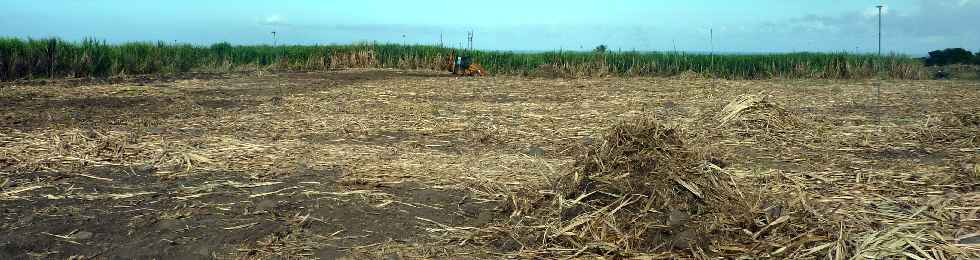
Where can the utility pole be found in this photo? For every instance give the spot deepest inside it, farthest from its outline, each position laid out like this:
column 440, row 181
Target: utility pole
column 878, row 84
column 879, row 28
column 440, row 39
column 711, row 39
column 470, row 38
column 275, row 46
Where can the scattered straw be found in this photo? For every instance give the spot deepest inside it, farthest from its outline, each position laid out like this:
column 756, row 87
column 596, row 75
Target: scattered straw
column 11, row 194
column 757, row 111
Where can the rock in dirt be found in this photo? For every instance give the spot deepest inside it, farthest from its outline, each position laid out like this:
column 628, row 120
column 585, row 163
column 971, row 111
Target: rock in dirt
column 266, row 205
column 970, row 168
column 974, row 240
column 678, row 218
column 154, row 130
column 683, row 240
column 535, row 151
column 146, row 169
column 82, row 235
column 27, row 220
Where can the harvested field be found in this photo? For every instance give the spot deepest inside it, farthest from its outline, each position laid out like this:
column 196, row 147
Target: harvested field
column 413, row 164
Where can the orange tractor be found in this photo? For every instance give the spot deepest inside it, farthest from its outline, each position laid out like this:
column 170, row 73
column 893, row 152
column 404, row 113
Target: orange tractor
column 464, row 66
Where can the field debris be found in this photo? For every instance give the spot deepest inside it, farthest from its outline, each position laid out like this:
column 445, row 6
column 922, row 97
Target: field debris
column 757, row 112
column 959, row 119
column 641, row 187
column 640, row 168
column 646, row 190
column 648, row 187
column 12, row 194
column 689, row 75
column 370, row 164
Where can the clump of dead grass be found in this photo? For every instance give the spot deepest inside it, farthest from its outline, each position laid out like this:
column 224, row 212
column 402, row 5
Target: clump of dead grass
column 690, row 75
column 954, row 129
column 640, row 172
column 958, row 119
column 648, row 188
column 971, row 169
column 758, row 112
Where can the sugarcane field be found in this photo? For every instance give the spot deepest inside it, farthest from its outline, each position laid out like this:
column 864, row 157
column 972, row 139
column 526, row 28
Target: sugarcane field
column 391, row 149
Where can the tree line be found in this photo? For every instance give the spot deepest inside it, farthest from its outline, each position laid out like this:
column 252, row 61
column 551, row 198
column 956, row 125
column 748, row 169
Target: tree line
column 952, row 56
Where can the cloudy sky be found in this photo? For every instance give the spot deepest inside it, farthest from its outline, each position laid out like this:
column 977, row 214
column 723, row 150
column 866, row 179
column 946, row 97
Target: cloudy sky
column 911, row 26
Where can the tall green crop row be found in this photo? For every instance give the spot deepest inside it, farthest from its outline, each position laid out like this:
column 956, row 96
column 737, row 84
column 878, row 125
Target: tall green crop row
column 34, row 58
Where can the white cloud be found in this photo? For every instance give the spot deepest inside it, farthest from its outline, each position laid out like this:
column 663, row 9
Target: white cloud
column 274, row 20
column 926, row 25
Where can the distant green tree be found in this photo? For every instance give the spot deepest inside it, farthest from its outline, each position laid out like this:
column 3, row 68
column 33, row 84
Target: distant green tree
column 976, row 58
column 949, row 56
column 601, row 48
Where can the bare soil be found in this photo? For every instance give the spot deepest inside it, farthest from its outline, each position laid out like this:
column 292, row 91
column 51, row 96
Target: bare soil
column 146, row 216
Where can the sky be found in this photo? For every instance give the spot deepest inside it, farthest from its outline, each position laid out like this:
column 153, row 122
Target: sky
column 910, row 26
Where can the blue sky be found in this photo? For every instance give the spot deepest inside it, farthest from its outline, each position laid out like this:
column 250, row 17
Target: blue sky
column 911, row 26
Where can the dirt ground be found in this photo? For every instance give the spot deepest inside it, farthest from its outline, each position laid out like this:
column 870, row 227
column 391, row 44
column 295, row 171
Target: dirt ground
column 393, row 164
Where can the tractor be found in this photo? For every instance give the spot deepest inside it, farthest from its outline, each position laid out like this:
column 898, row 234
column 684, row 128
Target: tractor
column 464, row 66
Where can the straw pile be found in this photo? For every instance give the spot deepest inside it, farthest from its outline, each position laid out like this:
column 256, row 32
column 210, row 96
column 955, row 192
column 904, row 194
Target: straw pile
column 757, row 112
column 647, row 187
column 639, row 188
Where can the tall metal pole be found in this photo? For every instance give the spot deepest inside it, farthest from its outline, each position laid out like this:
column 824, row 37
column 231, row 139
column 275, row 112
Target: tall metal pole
column 711, row 40
column 275, row 47
column 879, row 28
column 878, row 84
